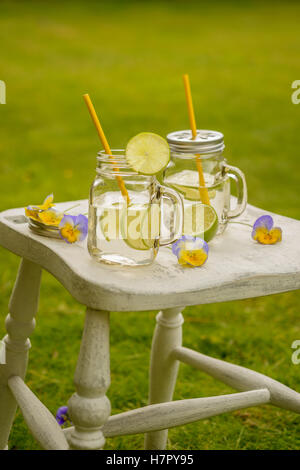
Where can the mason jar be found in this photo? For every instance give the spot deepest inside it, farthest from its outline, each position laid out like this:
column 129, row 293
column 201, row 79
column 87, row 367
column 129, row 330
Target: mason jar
column 209, row 184
column 126, row 226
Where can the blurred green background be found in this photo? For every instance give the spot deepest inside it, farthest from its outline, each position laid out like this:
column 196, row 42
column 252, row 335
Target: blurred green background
column 242, row 58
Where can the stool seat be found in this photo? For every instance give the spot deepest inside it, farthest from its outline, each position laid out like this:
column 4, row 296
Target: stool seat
column 237, row 267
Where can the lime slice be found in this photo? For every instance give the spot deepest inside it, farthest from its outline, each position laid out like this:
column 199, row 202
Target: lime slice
column 200, row 220
column 131, row 222
column 110, row 221
column 147, row 153
column 192, row 194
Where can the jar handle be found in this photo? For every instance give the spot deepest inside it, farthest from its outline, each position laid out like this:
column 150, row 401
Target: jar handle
column 239, row 178
column 177, row 202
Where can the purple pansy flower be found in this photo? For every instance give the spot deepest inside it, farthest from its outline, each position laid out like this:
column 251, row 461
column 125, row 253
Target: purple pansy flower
column 264, row 231
column 73, row 228
column 62, row 415
column 190, row 251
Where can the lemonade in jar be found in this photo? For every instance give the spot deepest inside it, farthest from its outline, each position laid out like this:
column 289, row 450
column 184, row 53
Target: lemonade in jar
column 207, row 202
column 125, row 226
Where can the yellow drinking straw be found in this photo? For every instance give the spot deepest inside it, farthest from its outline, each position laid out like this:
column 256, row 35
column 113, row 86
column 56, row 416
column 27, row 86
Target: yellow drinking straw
column 202, row 189
column 101, row 134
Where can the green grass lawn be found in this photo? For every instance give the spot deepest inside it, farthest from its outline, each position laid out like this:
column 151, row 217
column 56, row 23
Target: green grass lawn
column 242, row 58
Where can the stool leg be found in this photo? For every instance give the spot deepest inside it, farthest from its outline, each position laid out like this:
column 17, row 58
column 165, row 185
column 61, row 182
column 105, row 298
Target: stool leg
column 163, row 368
column 19, row 323
column 89, row 408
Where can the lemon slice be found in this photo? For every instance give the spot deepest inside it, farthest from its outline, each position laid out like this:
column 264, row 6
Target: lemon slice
column 200, row 220
column 147, row 153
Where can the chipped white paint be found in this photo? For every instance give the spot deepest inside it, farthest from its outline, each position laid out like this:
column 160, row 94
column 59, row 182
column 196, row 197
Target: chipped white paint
column 19, row 324
column 89, row 408
column 38, row 418
column 163, row 367
column 237, row 267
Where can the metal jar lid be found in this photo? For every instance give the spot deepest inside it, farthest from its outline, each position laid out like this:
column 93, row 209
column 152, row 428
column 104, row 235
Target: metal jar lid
column 206, row 141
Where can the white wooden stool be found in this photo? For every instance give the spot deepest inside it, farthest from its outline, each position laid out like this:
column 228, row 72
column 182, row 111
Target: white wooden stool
column 237, row 268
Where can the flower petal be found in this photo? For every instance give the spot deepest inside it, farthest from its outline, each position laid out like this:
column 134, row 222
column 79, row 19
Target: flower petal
column 62, row 415
column 266, row 237
column 201, row 244
column 193, row 257
column 276, row 234
column 191, row 251
column 177, row 246
column 47, row 202
column 33, row 214
column 67, row 219
column 81, row 224
column 32, row 207
column 73, row 228
column 67, row 230
column 265, row 221
column 259, row 233
column 51, row 217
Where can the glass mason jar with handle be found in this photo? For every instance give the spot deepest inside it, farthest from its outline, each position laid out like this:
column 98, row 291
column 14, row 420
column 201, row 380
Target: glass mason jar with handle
column 182, row 173
column 129, row 232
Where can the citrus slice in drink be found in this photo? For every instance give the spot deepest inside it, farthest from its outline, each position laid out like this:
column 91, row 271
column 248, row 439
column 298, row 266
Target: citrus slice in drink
column 147, row 153
column 193, row 194
column 200, row 220
column 131, row 222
